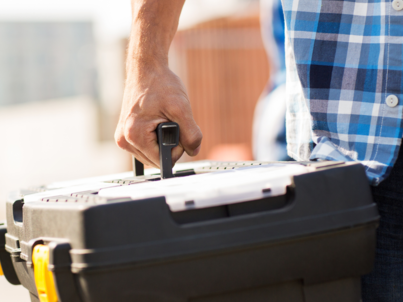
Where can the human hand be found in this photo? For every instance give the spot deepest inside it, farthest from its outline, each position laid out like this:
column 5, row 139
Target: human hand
column 154, row 95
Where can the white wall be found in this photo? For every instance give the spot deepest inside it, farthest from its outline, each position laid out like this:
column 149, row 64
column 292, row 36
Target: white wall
column 50, row 141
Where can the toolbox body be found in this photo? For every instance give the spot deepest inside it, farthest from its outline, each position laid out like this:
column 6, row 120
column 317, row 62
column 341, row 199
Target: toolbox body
column 311, row 244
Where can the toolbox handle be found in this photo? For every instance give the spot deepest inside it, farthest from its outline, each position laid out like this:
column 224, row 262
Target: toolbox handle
column 138, row 167
column 6, row 265
column 167, row 138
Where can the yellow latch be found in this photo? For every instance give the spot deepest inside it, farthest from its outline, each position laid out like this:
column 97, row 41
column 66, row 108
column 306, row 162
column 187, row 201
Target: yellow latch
column 43, row 277
column 1, row 271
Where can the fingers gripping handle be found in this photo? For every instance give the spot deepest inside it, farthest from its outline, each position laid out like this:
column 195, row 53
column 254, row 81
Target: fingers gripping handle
column 168, row 138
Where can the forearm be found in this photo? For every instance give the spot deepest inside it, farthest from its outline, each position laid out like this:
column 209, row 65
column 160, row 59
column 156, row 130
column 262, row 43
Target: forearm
column 153, row 27
column 153, row 93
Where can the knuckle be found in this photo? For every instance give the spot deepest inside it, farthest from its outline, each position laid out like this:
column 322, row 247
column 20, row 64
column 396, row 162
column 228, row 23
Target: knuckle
column 179, row 111
column 131, row 135
column 120, row 140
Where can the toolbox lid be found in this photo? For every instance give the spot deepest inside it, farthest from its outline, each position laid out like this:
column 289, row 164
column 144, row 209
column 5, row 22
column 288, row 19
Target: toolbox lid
column 66, row 191
column 213, row 189
column 123, row 175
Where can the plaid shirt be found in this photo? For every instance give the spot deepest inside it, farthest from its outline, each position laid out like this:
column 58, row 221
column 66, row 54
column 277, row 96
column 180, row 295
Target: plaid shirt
column 344, row 81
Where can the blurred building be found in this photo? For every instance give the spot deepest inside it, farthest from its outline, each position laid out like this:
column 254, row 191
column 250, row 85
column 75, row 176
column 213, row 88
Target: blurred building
column 225, row 68
column 46, row 60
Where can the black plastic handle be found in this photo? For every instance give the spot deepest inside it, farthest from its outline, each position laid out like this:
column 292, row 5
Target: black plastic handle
column 168, row 138
column 138, row 167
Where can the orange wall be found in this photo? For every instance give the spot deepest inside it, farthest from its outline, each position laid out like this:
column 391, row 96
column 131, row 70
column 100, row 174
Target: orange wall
column 225, row 68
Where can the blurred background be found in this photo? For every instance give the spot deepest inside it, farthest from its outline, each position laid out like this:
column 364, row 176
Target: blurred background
column 62, row 76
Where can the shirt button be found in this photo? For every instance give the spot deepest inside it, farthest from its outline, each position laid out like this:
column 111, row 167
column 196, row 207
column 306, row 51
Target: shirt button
column 392, row 101
column 397, row 4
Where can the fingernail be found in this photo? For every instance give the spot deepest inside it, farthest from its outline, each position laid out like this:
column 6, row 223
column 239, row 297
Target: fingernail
column 196, row 151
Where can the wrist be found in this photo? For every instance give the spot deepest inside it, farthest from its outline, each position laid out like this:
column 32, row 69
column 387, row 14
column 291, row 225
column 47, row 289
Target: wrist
column 139, row 61
column 143, row 68
column 145, row 57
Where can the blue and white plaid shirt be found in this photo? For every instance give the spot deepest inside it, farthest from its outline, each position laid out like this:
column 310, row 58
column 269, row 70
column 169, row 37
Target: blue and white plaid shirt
column 344, row 81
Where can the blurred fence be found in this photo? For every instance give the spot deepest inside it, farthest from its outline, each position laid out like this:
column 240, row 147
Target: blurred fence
column 224, row 66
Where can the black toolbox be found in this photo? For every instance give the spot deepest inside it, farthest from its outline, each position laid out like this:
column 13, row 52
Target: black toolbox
column 310, row 244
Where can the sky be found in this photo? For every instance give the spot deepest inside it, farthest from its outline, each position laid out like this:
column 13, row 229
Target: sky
column 111, row 17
